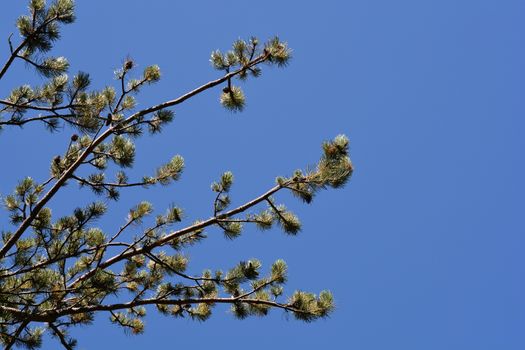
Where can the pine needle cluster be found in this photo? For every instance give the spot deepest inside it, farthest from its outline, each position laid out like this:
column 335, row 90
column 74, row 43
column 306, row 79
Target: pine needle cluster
column 241, row 57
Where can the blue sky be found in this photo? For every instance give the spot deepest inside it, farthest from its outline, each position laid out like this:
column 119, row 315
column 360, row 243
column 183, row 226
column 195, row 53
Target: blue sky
column 423, row 249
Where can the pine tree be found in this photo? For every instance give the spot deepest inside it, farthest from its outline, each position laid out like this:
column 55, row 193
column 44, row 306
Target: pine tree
column 58, row 272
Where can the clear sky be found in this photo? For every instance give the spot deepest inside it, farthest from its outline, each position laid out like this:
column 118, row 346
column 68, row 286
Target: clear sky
column 423, row 249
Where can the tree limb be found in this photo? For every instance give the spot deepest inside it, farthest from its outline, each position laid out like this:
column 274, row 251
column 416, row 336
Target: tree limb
column 69, row 172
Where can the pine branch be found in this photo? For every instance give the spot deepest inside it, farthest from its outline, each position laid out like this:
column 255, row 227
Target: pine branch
column 127, row 254
column 14, row 336
column 15, row 52
column 105, row 185
column 12, row 57
column 60, row 336
column 155, row 301
column 52, row 315
column 43, row 118
column 36, row 107
column 198, row 90
column 69, row 172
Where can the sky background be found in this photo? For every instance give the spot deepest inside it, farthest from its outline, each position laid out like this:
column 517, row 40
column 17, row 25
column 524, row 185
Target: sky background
column 423, row 249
